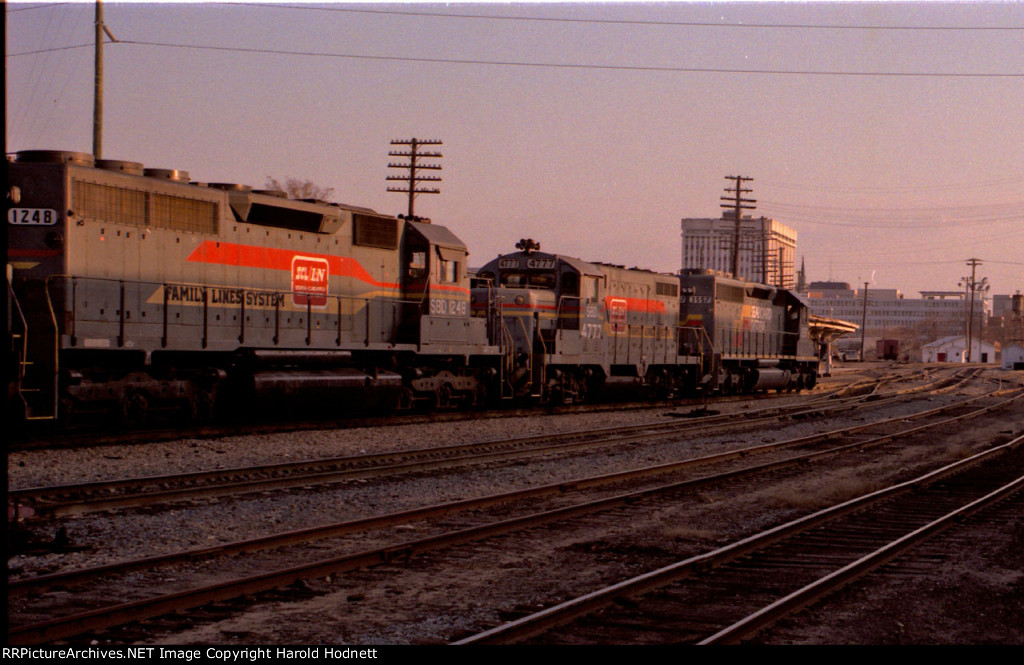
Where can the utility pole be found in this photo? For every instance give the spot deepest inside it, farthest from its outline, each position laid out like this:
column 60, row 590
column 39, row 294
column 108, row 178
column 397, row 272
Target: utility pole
column 736, row 204
column 972, row 286
column 864, row 321
column 764, row 250
column 97, row 92
column 97, row 96
column 413, row 167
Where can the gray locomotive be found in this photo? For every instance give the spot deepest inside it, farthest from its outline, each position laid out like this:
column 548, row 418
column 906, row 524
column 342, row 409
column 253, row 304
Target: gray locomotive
column 139, row 295
column 570, row 327
column 136, row 292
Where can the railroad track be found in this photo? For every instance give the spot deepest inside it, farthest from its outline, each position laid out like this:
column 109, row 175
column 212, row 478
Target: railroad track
column 733, row 592
column 93, row 438
column 241, row 585
column 84, row 498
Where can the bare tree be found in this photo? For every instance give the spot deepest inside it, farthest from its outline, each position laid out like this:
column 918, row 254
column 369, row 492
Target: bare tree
column 300, row 189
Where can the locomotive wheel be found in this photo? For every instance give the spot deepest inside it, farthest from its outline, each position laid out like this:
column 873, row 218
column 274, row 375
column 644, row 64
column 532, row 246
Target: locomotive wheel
column 65, row 412
column 444, row 396
column 200, row 407
column 581, row 390
column 568, row 389
column 134, row 409
column 560, row 395
column 405, row 398
column 661, row 385
column 479, row 394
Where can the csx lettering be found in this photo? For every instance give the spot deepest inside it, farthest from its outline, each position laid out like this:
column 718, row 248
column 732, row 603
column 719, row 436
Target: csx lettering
column 759, row 312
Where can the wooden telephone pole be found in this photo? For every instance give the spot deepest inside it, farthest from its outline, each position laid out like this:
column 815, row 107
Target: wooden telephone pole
column 737, row 204
column 97, row 96
column 413, row 166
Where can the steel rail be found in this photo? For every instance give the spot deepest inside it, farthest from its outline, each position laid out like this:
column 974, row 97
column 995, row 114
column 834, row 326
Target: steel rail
column 563, row 613
column 26, row 441
column 52, row 501
column 115, row 615
column 833, row 581
column 438, row 510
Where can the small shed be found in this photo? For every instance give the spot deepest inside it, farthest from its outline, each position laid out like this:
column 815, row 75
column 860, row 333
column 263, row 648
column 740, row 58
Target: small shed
column 954, row 350
column 1013, row 356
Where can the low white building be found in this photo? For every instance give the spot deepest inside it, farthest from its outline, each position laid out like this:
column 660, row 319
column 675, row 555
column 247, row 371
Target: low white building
column 1013, row 357
column 953, row 350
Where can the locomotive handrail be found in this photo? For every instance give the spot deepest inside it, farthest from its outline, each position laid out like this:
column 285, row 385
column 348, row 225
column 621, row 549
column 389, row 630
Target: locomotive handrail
column 12, row 297
column 52, row 415
column 754, row 343
column 505, row 347
column 533, row 356
column 124, row 319
column 536, row 337
column 121, row 316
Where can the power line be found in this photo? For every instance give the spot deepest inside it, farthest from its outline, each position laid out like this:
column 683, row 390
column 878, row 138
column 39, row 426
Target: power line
column 546, row 65
column 897, row 190
column 27, row 9
column 686, row 24
column 52, row 49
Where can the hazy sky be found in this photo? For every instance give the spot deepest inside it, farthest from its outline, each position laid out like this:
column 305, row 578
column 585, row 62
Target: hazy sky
column 592, row 128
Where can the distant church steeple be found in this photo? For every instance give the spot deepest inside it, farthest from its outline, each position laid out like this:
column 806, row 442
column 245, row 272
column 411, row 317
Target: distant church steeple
column 801, row 278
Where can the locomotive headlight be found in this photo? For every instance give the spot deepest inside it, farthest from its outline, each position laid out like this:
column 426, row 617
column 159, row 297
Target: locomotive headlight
column 520, row 300
column 54, row 240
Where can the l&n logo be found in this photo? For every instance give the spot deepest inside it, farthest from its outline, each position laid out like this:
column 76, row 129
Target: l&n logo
column 309, row 281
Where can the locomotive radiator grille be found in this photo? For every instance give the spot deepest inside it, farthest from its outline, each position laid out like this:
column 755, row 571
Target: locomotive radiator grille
column 103, row 203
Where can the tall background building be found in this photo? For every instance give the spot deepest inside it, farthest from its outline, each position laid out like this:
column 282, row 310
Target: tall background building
column 767, row 248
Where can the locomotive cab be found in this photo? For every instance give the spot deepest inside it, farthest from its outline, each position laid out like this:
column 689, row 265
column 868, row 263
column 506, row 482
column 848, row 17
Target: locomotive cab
column 540, row 307
column 435, row 287
column 568, row 326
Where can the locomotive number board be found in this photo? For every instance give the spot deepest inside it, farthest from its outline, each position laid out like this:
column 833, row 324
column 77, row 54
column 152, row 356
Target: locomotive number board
column 32, row 216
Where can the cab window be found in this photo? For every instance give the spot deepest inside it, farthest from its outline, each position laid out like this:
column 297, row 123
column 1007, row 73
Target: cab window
column 418, row 265
column 448, row 271
column 535, row 280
